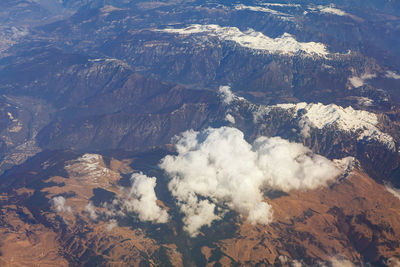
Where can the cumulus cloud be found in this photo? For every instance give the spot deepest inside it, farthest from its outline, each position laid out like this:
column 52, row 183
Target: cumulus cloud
column 59, row 204
column 226, row 94
column 111, row 225
column 91, row 210
column 357, row 82
column 283, row 259
column 142, row 199
column 227, row 97
column 217, row 169
column 296, row 263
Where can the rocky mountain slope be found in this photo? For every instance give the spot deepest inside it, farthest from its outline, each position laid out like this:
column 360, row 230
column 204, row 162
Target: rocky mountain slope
column 55, row 213
column 194, row 133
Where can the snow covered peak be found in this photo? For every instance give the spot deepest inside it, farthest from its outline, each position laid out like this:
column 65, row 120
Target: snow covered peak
column 89, row 167
column 285, row 44
column 331, row 10
column 260, row 9
column 360, row 122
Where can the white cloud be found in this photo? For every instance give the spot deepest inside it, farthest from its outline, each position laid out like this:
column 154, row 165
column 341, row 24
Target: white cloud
column 142, row 199
column 285, row 44
column 296, row 263
column 226, row 94
column 197, row 212
column 291, row 165
column 59, row 204
column 217, row 168
column 283, row 259
column 392, row 75
column 358, row 81
column 111, row 225
column 91, row 209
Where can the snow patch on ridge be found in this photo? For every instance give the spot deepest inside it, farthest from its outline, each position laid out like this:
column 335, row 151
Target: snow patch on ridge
column 317, row 115
column 392, row 75
column 285, row 44
column 331, row 9
column 10, row 36
column 230, row 118
column 361, row 122
column 280, row 5
column 262, row 9
column 395, row 192
column 89, row 166
column 108, row 8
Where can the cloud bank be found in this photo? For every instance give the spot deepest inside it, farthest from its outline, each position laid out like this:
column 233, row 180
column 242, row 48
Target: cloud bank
column 217, row 169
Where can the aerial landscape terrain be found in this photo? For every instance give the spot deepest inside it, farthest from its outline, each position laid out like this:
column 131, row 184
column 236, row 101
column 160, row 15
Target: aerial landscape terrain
column 200, row 133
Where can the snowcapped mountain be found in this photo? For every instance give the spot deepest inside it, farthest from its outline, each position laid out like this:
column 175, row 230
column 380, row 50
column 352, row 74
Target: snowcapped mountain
column 199, row 133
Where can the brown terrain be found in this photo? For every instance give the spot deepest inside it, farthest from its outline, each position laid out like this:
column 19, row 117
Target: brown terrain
column 355, row 219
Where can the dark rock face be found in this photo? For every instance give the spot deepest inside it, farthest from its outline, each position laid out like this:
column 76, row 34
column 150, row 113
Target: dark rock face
column 103, row 104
